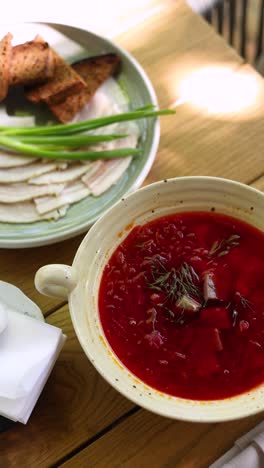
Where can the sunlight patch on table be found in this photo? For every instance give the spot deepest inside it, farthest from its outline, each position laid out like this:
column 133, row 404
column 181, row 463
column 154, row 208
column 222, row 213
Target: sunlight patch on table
column 219, row 90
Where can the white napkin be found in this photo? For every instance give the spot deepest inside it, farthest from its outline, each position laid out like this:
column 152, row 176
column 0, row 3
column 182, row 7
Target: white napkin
column 248, row 451
column 28, row 351
column 14, row 299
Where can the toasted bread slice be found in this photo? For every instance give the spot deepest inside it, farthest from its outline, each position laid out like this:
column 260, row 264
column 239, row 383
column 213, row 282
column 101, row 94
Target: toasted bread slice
column 65, row 82
column 5, row 57
column 94, row 70
column 32, row 63
column 97, row 69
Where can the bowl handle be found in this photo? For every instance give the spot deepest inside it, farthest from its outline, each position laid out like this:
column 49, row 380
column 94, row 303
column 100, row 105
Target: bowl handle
column 56, row 280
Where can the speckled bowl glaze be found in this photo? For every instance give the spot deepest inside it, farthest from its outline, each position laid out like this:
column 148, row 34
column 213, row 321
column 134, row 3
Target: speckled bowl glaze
column 80, row 283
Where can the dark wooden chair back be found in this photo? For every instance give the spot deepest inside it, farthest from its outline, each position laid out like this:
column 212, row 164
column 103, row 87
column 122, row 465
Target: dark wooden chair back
column 231, row 19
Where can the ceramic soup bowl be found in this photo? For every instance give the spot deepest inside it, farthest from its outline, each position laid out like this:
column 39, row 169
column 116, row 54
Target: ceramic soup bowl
column 80, row 284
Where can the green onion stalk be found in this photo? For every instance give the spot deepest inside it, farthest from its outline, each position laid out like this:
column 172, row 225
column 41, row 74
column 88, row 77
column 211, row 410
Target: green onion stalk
column 68, row 141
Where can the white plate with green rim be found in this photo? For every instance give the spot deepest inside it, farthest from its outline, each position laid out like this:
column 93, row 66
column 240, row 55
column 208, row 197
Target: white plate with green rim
column 74, row 44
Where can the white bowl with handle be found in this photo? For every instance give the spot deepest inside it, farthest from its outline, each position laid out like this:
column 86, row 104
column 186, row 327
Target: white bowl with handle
column 80, row 284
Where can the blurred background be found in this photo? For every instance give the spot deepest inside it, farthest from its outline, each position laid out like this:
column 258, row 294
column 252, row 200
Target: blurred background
column 241, row 22
column 108, row 17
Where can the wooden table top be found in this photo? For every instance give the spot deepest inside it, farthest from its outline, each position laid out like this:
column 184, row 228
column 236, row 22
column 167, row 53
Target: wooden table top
column 79, row 420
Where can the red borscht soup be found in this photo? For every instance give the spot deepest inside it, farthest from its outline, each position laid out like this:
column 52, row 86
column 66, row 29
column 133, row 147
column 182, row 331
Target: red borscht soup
column 181, row 305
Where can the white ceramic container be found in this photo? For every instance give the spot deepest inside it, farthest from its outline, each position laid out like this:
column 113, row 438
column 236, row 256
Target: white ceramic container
column 80, row 283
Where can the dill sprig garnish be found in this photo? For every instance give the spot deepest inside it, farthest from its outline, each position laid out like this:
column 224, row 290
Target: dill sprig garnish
column 175, row 283
column 189, row 279
column 158, row 263
column 246, row 304
column 221, row 248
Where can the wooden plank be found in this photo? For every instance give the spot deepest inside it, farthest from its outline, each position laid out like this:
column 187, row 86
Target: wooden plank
column 18, row 266
column 75, row 405
column 173, row 44
column 259, row 183
column 196, row 142
column 218, row 441
column 145, row 439
column 192, row 145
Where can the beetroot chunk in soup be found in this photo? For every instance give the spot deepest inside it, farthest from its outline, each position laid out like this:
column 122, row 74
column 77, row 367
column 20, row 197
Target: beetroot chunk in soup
column 181, row 305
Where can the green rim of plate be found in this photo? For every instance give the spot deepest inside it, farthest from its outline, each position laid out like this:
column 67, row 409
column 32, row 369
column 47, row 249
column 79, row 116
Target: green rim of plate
column 80, row 216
